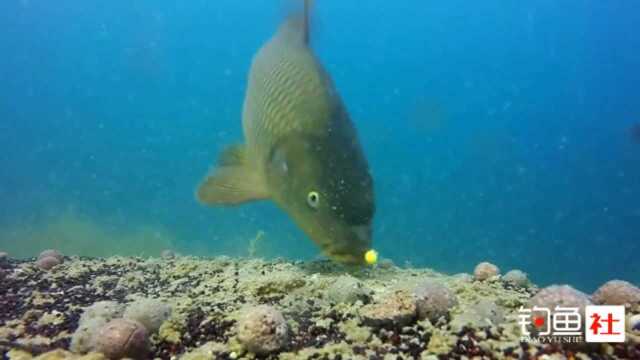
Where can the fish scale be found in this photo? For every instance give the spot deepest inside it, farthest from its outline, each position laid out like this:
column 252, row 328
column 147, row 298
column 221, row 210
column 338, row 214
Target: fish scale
column 282, row 77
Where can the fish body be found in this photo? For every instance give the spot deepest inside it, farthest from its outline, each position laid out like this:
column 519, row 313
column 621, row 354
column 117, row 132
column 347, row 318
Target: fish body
column 301, row 150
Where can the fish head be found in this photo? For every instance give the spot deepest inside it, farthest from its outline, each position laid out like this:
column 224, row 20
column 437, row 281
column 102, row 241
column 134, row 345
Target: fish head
column 326, row 188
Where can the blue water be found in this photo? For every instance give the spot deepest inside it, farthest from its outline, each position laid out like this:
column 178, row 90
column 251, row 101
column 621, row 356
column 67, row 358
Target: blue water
column 495, row 130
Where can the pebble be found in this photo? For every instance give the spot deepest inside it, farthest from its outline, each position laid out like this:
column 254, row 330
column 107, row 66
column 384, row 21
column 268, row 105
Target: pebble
column 516, row 278
column 560, row 295
column 485, row 271
column 149, row 312
column 262, row 329
column 617, row 292
column 347, row 289
column 483, row 314
column 433, row 300
column 121, row 338
column 47, row 263
column 397, row 309
column 52, row 253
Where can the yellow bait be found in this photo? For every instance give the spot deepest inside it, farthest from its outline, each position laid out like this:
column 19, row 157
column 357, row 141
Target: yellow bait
column 371, row 257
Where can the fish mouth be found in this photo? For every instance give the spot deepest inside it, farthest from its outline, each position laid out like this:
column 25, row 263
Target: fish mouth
column 351, row 247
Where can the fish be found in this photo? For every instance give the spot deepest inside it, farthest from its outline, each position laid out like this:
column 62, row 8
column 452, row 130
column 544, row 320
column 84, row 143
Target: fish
column 301, row 149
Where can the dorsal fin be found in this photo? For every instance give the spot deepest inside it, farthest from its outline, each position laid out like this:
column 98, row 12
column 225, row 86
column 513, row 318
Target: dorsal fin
column 305, row 22
column 296, row 28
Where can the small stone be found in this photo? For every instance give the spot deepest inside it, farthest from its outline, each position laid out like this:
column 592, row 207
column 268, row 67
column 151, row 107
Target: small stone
column 47, row 263
column 107, row 310
column 485, row 271
column 52, row 253
column 433, row 300
column 463, row 278
column 560, row 295
column 617, row 292
column 122, row 338
column 516, row 278
column 397, row 309
column 83, row 339
column 347, row 289
column 168, row 254
column 262, row 329
column 483, row 314
column 149, row 312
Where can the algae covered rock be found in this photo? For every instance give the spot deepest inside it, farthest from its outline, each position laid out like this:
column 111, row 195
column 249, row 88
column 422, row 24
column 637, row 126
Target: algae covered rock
column 107, row 310
column 83, row 339
column 4, row 258
column 47, row 263
column 397, row 309
column 617, row 292
column 347, row 289
column 262, row 329
column 149, row 312
column 52, row 253
column 48, row 259
column 122, row 338
column 482, row 314
column 560, row 295
column 485, row 271
column 433, row 300
column 516, row 278
column 93, row 318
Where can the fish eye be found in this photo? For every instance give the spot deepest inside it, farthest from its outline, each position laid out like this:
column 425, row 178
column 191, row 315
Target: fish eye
column 313, row 199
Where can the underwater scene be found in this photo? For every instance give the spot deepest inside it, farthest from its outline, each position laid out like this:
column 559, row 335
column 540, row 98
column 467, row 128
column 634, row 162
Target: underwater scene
column 300, row 179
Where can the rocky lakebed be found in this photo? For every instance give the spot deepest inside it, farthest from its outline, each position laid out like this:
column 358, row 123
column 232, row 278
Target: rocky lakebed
column 176, row 307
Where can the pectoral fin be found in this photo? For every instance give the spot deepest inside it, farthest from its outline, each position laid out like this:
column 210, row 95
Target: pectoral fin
column 232, row 155
column 231, row 185
column 232, row 182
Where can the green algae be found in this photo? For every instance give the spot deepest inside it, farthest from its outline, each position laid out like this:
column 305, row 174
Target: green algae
column 172, row 329
column 208, row 351
column 330, row 351
column 207, row 295
column 355, row 333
